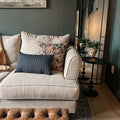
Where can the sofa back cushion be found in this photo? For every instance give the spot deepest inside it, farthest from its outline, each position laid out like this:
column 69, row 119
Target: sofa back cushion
column 30, row 42
column 11, row 46
column 46, row 45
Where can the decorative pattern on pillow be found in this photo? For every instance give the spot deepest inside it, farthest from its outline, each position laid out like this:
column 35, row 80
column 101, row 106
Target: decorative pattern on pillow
column 40, row 64
column 58, row 50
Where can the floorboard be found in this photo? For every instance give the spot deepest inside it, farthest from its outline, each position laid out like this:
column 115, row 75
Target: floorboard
column 105, row 106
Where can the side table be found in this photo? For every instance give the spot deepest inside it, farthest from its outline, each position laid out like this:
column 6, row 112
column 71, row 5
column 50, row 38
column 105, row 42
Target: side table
column 90, row 92
column 83, row 77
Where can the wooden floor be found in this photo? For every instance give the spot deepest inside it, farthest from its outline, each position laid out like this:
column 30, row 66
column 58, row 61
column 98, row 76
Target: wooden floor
column 105, row 106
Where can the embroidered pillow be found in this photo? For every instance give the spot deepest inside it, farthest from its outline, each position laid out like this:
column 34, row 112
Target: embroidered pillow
column 58, row 50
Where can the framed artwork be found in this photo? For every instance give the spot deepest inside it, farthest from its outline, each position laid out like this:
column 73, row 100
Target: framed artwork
column 23, row 3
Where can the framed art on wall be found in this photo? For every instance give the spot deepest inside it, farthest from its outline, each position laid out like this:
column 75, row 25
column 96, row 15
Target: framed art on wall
column 23, row 3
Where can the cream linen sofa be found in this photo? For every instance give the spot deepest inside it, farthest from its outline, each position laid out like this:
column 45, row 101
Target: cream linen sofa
column 26, row 90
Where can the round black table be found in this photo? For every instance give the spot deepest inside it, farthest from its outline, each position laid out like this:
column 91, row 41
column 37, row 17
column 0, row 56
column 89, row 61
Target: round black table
column 90, row 92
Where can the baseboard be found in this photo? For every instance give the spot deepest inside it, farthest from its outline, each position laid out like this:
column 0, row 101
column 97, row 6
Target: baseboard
column 113, row 79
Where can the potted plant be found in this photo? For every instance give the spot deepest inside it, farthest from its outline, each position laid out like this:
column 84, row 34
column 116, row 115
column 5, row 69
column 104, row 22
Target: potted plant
column 92, row 48
column 82, row 42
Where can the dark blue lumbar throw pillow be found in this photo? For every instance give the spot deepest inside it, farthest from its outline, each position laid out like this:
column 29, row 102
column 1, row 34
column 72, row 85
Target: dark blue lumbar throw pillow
column 40, row 64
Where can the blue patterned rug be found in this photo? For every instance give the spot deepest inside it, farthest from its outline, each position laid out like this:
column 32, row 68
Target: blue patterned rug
column 83, row 111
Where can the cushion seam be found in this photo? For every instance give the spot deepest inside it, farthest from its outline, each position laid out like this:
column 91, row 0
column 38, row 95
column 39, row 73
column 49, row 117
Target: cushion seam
column 37, row 86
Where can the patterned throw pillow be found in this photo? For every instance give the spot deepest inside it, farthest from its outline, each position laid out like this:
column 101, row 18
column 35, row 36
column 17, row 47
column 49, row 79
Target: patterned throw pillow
column 40, row 64
column 58, row 50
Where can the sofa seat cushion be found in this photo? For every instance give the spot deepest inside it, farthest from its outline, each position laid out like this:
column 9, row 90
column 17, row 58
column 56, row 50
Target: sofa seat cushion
column 38, row 86
column 3, row 75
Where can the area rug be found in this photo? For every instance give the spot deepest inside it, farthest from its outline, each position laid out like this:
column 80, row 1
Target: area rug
column 83, row 111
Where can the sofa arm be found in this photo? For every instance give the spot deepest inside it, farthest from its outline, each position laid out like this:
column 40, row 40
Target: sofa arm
column 73, row 64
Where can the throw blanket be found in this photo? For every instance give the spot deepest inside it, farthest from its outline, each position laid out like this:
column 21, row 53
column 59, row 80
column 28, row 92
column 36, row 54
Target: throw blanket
column 3, row 60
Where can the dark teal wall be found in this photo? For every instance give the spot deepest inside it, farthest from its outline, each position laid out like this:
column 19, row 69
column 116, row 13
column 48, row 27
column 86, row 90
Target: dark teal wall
column 57, row 19
column 114, row 54
column 113, row 79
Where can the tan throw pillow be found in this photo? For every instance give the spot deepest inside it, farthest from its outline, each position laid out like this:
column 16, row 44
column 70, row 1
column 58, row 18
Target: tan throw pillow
column 30, row 41
column 58, row 50
column 3, row 60
column 11, row 45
